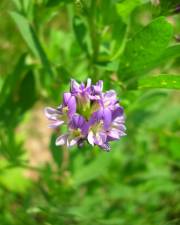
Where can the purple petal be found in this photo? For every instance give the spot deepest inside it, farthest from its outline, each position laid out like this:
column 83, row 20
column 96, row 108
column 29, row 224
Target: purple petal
column 98, row 87
column 95, row 97
column 56, row 124
column 96, row 117
column 85, row 128
column 77, row 121
column 62, row 140
column 90, row 138
column 74, row 122
column 73, row 142
column 106, row 147
column 51, row 113
column 109, row 98
column 88, row 83
column 114, row 133
column 82, row 86
column 70, row 102
column 107, row 118
column 81, row 121
column 66, row 98
column 100, row 138
column 118, row 112
column 110, row 94
column 118, row 121
column 74, row 86
column 71, row 106
column 102, row 114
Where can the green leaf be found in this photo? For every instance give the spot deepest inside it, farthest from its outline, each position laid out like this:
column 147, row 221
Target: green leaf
column 125, row 8
column 11, row 80
column 161, row 81
column 168, row 7
column 53, row 3
column 119, row 30
column 174, row 144
column 93, row 170
column 26, row 32
column 13, row 178
column 31, row 39
column 80, row 31
column 56, row 151
column 27, row 95
column 26, row 4
column 169, row 53
column 10, row 147
column 64, row 74
column 18, row 94
column 112, row 15
column 17, row 4
column 165, row 117
column 145, row 48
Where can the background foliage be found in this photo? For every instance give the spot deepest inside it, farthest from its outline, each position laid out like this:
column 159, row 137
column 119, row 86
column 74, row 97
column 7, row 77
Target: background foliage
column 133, row 47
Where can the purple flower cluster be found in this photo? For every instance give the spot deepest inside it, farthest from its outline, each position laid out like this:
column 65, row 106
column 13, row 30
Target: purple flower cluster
column 89, row 114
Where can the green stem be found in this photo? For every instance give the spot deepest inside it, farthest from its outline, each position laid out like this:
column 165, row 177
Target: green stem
column 94, row 35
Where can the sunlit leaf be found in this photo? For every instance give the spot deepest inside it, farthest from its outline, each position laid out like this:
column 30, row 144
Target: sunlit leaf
column 124, row 8
column 141, row 51
column 161, row 81
column 31, row 39
column 13, row 178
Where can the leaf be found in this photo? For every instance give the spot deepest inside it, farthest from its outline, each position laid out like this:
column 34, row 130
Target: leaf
column 10, row 147
column 17, row 4
column 13, row 178
column 80, row 31
column 27, row 92
column 92, row 170
column 53, row 3
column 26, row 4
column 19, row 91
column 12, row 79
column 125, row 8
column 119, row 30
column 170, row 52
column 26, row 32
column 164, row 118
column 168, row 7
column 56, row 151
column 161, row 81
column 141, row 51
column 31, row 39
column 174, row 144
column 112, row 15
column 64, row 74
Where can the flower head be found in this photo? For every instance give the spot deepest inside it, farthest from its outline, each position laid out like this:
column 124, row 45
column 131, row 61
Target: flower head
column 89, row 114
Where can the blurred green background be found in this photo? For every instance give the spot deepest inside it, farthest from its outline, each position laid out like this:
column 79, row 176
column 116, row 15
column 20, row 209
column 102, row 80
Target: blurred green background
column 132, row 45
